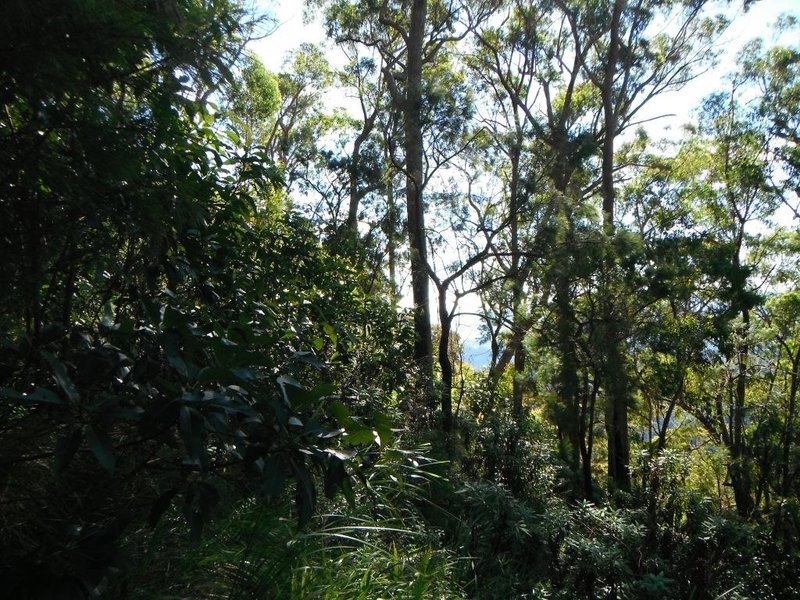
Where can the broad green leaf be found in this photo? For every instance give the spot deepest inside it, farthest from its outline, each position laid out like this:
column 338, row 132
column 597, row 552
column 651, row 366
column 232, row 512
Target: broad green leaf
column 274, row 476
column 62, row 377
column 171, row 349
column 359, row 435
column 42, row 395
column 331, row 333
column 341, row 412
column 383, row 425
column 103, row 449
column 161, row 505
column 342, row 453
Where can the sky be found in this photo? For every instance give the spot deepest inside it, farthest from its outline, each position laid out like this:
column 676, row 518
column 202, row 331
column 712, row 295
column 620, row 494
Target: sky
column 291, row 30
column 669, row 112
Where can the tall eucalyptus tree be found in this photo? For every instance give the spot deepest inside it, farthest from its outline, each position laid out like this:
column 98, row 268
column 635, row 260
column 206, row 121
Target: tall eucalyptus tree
column 410, row 38
column 629, row 66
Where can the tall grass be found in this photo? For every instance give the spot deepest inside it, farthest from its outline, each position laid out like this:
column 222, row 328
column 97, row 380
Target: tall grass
column 377, row 547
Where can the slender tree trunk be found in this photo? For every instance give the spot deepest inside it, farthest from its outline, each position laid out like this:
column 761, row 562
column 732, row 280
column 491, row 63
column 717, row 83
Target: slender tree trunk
column 445, row 363
column 423, row 349
column 568, row 370
column 615, row 375
column 586, row 435
column 517, row 300
column 788, row 429
column 391, row 244
column 616, row 411
column 740, row 471
column 355, row 193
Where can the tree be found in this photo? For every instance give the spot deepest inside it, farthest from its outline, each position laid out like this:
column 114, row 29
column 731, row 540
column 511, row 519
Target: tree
column 410, row 44
column 716, row 189
column 629, row 68
column 545, row 149
column 252, row 101
column 739, row 162
column 291, row 136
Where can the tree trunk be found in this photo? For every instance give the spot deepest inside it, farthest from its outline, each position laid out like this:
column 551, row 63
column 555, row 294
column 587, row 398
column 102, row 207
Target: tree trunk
column 391, row 233
column 568, row 371
column 355, row 193
column 445, row 363
column 739, row 469
column 788, row 429
column 423, row 348
column 517, row 300
column 614, row 372
column 586, row 434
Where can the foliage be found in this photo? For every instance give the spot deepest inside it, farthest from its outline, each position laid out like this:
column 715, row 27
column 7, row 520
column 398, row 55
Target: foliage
column 205, row 394
column 163, row 309
column 381, row 548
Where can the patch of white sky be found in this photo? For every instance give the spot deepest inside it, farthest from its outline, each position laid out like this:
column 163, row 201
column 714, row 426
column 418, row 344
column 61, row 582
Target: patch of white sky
column 667, row 113
column 662, row 117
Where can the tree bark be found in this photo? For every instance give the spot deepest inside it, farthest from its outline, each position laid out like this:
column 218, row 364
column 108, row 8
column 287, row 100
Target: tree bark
column 568, row 370
column 788, row 429
column 391, row 239
column 615, row 375
column 517, row 277
column 423, row 348
column 740, row 459
column 445, row 363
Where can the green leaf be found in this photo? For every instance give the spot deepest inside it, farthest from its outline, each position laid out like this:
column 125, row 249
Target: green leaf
column 289, row 388
column 103, row 449
column 331, row 333
column 358, row 435
column 192, row 429
column 246, row 374
column 161, row 505
column 274, row 477
column 383, row 425
column 309, row 359
column 320, row 391
column 42, row 395
column 341, row 412
column 332, row 433
column 233, row 136
column 341, row 454
column 62, row 377
column 305, row 495
column 174, row 357
column 219, row 375
column 45, row 396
